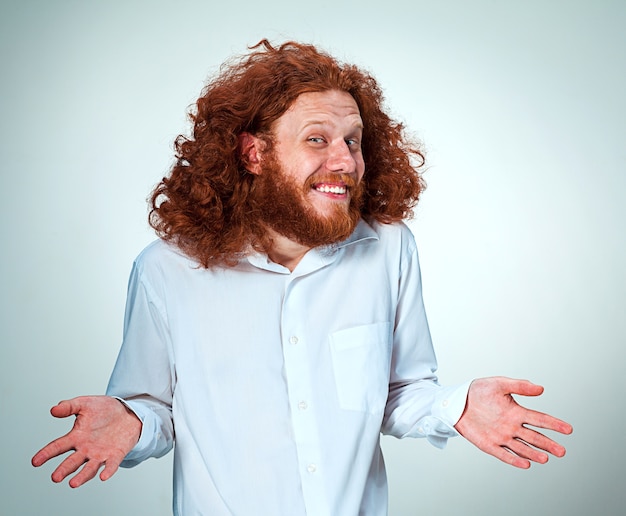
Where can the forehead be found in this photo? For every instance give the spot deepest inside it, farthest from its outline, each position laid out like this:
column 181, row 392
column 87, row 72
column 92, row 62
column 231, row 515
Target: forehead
column 334, row 107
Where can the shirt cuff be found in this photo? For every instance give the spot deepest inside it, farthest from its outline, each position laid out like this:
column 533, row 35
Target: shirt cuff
column 149, row 428
column 447, row 409
column 450, row 403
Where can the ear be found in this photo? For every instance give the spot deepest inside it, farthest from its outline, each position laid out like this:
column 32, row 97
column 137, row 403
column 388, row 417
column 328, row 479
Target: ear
column 250, row 147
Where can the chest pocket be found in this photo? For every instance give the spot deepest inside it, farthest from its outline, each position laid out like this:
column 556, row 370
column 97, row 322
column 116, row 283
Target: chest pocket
column 361, row 359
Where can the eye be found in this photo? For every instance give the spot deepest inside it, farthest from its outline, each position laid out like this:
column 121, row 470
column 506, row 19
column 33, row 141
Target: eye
column 316, row 139
column 353, row 143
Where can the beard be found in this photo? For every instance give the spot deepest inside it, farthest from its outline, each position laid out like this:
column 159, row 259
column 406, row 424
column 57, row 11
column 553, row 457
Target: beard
column 281, row 204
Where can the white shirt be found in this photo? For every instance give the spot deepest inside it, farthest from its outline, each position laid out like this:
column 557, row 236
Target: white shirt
column 277, row 384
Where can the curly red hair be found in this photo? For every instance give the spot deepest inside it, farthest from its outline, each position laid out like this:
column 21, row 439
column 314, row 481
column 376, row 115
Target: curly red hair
column 202, row 206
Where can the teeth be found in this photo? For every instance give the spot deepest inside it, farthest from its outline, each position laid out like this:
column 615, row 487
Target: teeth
column 339, row 190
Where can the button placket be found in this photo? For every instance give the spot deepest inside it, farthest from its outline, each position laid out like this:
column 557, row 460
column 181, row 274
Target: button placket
column 297, row 367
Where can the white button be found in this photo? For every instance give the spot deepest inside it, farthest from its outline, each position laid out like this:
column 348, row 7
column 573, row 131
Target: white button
column 303, row 405
column 293, row 339
column 311, row 468
column 444, row 403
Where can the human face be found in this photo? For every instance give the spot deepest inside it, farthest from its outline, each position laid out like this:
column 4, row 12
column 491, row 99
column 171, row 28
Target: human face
column 318, row 146
column 279, row 202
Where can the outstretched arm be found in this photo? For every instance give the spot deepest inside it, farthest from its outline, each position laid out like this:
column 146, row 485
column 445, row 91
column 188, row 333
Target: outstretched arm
column 499, row 426
column 104, row 431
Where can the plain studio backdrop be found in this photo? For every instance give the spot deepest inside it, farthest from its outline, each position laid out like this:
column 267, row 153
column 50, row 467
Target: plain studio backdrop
column 521, row 108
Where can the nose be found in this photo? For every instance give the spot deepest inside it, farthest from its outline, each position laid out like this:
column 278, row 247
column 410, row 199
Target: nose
column 340, row 159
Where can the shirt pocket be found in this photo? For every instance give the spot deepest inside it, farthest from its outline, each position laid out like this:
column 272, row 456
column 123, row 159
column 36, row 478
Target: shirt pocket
column 361, row 359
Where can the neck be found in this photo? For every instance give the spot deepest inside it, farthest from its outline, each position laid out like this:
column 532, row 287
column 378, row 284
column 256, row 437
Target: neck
column 285, row 251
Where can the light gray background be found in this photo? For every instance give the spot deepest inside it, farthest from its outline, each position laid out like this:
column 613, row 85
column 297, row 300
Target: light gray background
column 521, row 106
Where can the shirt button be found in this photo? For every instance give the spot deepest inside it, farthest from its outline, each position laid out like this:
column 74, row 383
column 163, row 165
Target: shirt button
column 303, row 405
column 311, row 468
column 293, row 339
column 445, row 403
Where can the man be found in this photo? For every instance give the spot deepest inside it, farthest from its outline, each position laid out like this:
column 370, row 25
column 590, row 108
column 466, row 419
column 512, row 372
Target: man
column 277, row 328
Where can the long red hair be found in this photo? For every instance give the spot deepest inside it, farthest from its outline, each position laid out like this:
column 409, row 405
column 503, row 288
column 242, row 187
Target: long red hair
column 202, row 206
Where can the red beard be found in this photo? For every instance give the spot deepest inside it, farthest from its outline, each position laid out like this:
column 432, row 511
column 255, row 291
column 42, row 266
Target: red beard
column 281, row 204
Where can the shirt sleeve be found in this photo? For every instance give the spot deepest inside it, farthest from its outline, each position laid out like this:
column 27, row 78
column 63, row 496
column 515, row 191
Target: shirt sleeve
column 143, row 377
column 417, row 406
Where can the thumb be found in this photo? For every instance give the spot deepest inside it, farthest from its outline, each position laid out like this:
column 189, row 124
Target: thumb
column 66, row 408
column 522, row 387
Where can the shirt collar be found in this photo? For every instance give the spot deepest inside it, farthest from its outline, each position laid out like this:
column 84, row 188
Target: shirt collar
column 363, row 231
column 320, row 255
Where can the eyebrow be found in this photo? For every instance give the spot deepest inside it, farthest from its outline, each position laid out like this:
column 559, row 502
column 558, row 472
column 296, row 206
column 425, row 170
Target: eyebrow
column 307, row 123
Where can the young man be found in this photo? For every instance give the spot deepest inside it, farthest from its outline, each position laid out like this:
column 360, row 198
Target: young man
column 277, row 328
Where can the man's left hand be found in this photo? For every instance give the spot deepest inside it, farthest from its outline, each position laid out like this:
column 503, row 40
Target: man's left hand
column 499, row 426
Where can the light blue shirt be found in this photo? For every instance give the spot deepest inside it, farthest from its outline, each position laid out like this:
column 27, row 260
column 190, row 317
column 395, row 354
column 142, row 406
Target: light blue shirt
column 278, row 384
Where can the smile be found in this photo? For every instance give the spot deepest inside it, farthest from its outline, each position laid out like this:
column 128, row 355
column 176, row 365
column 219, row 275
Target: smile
column 333, row 189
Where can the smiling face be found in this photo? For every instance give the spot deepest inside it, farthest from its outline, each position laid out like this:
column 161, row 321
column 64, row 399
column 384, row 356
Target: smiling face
column 318, row 144
column 309, row 185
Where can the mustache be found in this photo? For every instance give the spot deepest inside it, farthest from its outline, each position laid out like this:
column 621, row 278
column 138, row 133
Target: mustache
column 346, row 179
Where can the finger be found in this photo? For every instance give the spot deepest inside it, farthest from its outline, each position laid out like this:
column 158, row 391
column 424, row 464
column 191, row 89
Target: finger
column 111, row 465
column 507, row 457
column 53, row 449
column 110, row 468
column 68, row 466
column 538, row 440
column 89, row 471
column 541, row 420
column 521, row 387
column 522, row 449
column 66, row 408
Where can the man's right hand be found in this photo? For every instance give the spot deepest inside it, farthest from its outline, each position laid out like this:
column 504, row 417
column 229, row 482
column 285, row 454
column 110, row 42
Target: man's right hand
column 104, row 431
